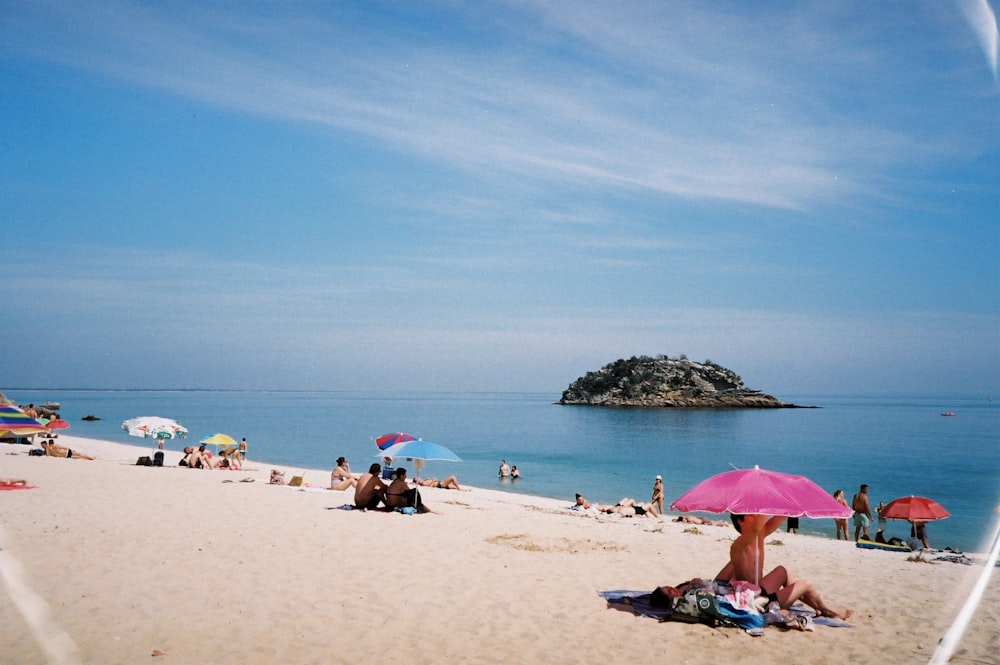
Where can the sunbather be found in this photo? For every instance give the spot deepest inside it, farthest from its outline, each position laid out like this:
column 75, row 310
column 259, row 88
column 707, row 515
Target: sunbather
column 370, row 490
column 449, row 483
column 13, row 481
column 341, row 477
column 227, row 459
column 746, row 562
column 53, row 449
column 399, row 494
column 694, row 519
column 194, row 458
column 627, row 508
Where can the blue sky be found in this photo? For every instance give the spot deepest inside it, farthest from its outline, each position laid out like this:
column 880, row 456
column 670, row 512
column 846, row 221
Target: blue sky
column 499, row 196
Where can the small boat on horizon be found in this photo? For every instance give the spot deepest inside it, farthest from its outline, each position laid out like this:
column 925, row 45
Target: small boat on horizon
column 948, row 413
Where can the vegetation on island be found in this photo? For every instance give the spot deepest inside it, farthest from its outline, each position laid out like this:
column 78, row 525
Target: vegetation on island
column 665, row 382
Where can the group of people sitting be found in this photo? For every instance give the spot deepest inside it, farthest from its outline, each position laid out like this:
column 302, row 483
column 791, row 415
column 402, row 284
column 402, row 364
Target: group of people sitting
column 342, row 479
column 373, row 490
column 199, row 458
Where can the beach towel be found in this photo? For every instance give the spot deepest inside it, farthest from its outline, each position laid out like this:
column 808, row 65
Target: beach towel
column 719, row 613
column 872, row 545
column 5, row 486
column 636, row 602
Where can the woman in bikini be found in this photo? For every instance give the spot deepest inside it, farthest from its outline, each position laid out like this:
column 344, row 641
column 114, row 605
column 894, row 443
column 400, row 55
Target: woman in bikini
column 341, row 477
column 399, row 494
column 449, row 483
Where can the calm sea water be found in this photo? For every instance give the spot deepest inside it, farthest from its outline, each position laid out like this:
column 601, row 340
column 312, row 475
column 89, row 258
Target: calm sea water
column 899, row 446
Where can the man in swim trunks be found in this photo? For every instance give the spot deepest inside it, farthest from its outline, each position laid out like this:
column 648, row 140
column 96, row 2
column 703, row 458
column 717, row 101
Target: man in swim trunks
column 862, row 512
column 370, row 490
column 52, row 449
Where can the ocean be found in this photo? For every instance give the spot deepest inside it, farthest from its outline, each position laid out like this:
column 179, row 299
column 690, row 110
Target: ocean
column 897, row 445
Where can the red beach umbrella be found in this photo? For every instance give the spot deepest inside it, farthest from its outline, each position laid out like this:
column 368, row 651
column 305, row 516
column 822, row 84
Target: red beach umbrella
column 914, row 509
column 389, row 440
column 58, row 423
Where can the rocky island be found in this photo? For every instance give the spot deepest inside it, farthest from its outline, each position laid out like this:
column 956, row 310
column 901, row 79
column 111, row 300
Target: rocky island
column 666, row 382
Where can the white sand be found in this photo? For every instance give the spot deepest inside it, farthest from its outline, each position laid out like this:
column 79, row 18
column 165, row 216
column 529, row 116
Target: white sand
column 131, row 560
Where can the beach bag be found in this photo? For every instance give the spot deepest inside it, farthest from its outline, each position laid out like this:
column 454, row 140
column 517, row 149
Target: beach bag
column 296, row 481
column 158, row 458
column 36, row 452
column 745, row 619
column 687, row 608
column 146, row 460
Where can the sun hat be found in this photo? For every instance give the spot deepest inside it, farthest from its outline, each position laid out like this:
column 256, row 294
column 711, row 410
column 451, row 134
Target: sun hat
column 658, row 478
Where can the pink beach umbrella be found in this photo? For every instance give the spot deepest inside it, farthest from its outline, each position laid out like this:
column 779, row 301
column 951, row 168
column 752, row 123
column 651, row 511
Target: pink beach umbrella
column 757, row 491
column 760, row 492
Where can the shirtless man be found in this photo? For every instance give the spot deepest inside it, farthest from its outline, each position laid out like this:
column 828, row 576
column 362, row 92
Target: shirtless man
column 53, row 449
column 370, row 490
column 194, row 459
column 862, row 512
column 746, row 562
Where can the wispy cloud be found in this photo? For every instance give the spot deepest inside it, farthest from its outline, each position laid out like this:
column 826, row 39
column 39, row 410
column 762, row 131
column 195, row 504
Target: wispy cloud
column 983, row 21
column 687, row 120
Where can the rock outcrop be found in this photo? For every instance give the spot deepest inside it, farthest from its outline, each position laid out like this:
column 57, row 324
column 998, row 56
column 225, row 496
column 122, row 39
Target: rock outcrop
column 666, row 382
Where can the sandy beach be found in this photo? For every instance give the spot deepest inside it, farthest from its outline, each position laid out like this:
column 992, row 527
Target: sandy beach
column 108, row 562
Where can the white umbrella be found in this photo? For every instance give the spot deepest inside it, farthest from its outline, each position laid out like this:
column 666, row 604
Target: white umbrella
column 154, row 427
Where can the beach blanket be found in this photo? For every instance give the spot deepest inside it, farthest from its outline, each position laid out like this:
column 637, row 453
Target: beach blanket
column 636, row 602
column 722, row 614
column 872, row 545
column 5, row 486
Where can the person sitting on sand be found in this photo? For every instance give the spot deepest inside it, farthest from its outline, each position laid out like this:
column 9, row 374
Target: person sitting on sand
column 582, row 503
column 746, row 563
column 194, row 459
column 448, row 483
column 226, row 459
column 341, row 477
column 399, row 494
column 53, row 449
column 370, row 490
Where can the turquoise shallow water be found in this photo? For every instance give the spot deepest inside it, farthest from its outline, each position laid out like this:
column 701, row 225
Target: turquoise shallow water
column 899, row 446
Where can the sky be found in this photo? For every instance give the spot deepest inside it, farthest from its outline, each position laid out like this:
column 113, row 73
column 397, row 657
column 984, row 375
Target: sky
column 452, row 196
